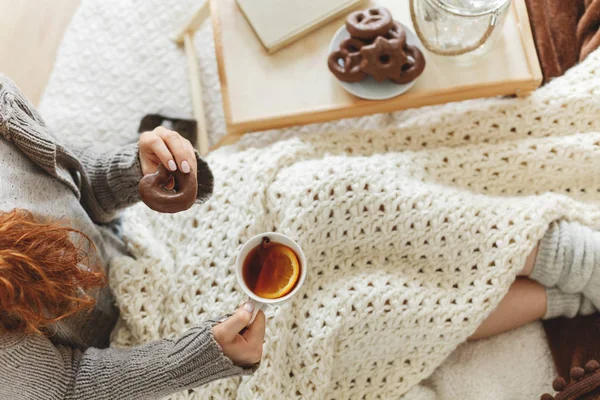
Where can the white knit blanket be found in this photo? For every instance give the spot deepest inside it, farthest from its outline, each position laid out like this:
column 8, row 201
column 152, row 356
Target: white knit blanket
column 407, row 251
column 414, row 224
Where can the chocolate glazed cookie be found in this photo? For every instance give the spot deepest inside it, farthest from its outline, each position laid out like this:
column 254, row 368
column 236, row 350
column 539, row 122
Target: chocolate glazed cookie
column 396, row 32
column 349, row 56
column 168, row 191
column 349, row 71
column 369, row 23
column 382, row 59
column 413, row 67
column 352, row 45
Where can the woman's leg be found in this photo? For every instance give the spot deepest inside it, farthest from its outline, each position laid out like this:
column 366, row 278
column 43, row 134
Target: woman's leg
column 529, row 300
column 525, row 302
column 530, row 261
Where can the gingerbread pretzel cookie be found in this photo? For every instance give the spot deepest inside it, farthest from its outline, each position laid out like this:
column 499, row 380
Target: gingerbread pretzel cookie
column 349, row 71
column 383, row 58
column 396, row 32
column 345, row 62
column 369, row 23
column 168, row 191
column 412, row 68
column 352, row 45
column 376, row 47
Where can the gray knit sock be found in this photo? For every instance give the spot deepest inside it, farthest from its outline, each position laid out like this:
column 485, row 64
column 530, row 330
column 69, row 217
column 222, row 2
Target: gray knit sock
column 587, row 307
column 569, row 260
column 561, row 304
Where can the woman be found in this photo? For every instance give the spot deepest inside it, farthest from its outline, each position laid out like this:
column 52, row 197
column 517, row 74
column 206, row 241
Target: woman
column 57, row 206
column 50, row 348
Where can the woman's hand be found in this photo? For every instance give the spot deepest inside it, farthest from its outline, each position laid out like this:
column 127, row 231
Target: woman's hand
column 243, row 348
column 169, row 148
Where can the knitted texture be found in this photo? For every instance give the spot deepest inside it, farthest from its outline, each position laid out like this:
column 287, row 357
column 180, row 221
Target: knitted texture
column 569, row 259
column 561, row 304
column 33, row 368
column 414, row 223
column 111, row 174
column 408, row 251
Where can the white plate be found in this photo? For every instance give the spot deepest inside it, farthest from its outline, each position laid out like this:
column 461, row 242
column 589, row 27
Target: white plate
column 369, row 88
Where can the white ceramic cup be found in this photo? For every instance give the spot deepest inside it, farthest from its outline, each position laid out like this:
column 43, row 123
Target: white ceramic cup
column 254, row 242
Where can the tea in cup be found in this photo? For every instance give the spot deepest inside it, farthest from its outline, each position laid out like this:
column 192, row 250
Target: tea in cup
column 270, row 268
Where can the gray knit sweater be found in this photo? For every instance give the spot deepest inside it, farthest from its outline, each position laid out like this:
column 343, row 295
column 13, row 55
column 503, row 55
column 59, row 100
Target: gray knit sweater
column 39, row 174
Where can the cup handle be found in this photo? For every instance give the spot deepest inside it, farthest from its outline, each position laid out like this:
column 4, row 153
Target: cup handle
column 257, row 307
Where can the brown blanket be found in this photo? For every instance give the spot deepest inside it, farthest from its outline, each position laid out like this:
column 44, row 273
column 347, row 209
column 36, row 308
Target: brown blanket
column 575, row 344
column 565, row 32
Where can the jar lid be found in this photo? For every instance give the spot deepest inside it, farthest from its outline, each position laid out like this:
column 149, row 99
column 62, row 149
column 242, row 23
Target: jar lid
column 472, row 8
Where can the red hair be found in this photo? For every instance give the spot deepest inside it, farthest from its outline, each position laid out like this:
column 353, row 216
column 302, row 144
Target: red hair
column 41, row 276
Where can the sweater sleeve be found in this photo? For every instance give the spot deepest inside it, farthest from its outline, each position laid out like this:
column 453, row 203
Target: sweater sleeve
column 104, row 181
column 109, row 180
column 31, row 367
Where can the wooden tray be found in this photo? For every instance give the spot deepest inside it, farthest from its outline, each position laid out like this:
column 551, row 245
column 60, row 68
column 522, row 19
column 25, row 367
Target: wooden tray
column 294, row 86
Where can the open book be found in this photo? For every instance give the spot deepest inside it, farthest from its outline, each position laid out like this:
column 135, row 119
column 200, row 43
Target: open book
column 278, row 23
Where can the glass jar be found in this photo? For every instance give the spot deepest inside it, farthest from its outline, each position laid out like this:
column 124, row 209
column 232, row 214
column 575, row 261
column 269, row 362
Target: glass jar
column 457, row 27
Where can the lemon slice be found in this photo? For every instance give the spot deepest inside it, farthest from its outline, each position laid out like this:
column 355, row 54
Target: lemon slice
column 279, row 273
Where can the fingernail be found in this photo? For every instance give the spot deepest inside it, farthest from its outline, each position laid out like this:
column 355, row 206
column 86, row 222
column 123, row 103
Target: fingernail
column 185, row 167
column 249, row 306
column 172, row 165
column 219, row 346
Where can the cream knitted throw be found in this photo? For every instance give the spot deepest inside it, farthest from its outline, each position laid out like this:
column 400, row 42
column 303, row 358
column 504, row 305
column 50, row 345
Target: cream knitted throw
column 408, row 250
column 414, row 223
